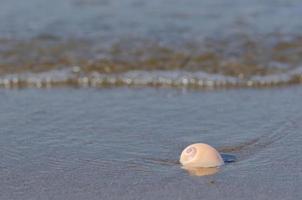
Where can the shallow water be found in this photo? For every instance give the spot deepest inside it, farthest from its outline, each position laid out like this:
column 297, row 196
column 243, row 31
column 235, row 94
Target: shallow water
column 124, row 143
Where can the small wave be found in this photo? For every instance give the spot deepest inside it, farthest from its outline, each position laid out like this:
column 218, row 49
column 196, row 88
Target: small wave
column 156, row 78
column 243, row 60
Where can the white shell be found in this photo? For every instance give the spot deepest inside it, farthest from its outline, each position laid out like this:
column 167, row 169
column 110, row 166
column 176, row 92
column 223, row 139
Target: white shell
column 200, row 155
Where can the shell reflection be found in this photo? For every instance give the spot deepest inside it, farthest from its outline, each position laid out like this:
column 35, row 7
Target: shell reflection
column 201, row 171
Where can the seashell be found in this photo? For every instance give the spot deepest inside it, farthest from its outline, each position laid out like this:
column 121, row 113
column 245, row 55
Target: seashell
column 200, row 155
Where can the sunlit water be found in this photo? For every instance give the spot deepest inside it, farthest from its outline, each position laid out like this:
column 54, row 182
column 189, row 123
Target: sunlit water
column 125, row 143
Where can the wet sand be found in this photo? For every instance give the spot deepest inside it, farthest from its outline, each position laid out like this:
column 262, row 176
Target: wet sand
column 125, row 143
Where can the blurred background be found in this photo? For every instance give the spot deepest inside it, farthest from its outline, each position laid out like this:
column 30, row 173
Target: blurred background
column 157, row 43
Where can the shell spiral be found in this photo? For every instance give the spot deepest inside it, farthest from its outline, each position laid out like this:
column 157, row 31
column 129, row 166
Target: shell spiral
column 200, row 155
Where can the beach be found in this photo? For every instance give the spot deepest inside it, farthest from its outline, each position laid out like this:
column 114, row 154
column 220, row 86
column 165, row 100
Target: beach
column 99, row 98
